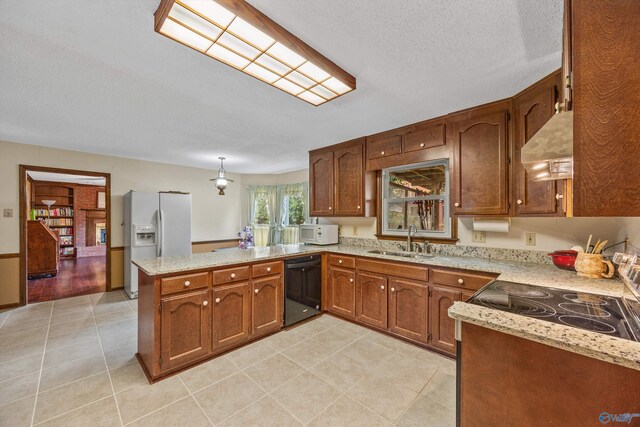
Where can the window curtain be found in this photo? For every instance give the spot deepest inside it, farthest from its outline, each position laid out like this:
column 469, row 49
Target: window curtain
column 286, row 206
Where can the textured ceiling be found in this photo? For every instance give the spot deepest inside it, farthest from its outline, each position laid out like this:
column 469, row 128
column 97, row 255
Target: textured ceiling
column 93, row 76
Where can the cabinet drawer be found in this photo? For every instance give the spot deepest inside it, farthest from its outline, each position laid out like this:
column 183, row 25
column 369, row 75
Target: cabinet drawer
column 407, row 271
column 171, row 285
column 460, row 280
column 342, row 261
column 266, row 269
column 231, row 275
column 378, row 147
column 421, row 139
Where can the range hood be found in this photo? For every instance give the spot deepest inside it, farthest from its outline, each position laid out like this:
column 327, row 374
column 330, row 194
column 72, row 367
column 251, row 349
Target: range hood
column 549, row 153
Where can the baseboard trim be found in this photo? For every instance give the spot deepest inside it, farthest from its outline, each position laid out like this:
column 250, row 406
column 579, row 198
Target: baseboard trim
column 8, row 256
column 7, row 306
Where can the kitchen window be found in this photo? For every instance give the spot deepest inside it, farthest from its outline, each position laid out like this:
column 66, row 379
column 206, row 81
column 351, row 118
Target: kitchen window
column 275, row 211
column 417, row 195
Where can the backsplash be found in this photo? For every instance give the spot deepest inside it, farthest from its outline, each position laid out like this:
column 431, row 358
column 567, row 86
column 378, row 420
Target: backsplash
column 519, row 255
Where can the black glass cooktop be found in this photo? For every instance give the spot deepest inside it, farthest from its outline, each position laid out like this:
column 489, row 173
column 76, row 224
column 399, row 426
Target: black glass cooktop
column 597, row 313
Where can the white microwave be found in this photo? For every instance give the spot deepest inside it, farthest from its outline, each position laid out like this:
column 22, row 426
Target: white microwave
column 318, row 234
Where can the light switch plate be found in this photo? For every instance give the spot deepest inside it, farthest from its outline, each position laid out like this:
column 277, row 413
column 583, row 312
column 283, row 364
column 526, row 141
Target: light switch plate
column 479, row 237
column 530, row 239
column 8, row 213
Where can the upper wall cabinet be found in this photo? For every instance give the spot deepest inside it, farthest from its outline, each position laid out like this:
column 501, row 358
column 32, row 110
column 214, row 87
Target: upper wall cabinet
column 410, row 144
column 338, row 184
column 605, row 53
column 532, row 108
column 480, row 176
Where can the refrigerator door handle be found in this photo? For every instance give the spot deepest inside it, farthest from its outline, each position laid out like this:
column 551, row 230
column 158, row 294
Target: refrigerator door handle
column 159, row 231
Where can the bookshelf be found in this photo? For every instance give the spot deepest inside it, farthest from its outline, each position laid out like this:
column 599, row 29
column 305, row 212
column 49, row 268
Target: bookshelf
column 62, row 216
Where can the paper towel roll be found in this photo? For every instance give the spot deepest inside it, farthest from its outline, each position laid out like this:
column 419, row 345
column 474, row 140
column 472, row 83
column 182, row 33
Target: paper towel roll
column 494, row 225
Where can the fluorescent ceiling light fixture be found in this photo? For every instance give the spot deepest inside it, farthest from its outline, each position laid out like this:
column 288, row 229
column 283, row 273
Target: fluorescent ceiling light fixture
column 239, row 35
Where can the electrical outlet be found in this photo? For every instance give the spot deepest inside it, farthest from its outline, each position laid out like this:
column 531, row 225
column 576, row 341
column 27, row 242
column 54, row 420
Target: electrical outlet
column 8, row 213
column 530, row 239
column 355, row 230
column 479, row 237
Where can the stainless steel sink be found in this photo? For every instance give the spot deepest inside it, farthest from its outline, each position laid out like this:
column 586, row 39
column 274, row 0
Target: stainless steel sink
column 401, row 254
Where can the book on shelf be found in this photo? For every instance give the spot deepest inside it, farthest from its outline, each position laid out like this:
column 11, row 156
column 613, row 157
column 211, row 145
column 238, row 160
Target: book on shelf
column 64, row 212
column 52, row 222
column 66, row 240
column 65, row 231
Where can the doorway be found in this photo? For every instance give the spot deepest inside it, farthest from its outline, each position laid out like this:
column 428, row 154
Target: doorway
column 65, row 233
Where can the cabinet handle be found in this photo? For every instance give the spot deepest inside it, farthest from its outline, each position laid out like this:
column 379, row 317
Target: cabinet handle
column 350, row 280
column 382, row 153
column 217, row 300
column 205, row 303
column 358, row 206
column 339, row 261
column 456, row 204
column 559, row 196
column 329, row 207
column 233, row 275
column 393, row 289
column 268, row 269
column 461, row 281
column 519, row 201
column 187, row 283
column 422, row 145
column 256, row 290
column 382, row 287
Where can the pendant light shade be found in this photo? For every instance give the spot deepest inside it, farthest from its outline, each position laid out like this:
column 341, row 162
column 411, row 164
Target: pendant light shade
column 221, row 181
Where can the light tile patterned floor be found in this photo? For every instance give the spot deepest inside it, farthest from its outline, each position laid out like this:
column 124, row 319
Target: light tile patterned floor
column 71, row 362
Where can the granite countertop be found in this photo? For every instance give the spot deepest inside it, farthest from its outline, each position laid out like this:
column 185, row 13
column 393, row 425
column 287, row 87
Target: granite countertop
column 600, row 346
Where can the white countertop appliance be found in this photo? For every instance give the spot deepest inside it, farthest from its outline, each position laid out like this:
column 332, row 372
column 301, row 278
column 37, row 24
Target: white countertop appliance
column 155, row 225
column 318, row 234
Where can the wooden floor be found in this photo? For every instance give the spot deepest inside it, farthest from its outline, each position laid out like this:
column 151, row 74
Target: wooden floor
column 80, row 276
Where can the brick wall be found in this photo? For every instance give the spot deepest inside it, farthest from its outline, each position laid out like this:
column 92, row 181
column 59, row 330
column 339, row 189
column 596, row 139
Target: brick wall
column 86, row 197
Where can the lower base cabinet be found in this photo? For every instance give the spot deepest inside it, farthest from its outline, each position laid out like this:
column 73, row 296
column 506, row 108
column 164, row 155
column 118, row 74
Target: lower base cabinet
column 371, row 299
column 443, row 327
column 266, row 305
column 342, row 292
column 231, row 315
column 185, row 329
column 408, row 306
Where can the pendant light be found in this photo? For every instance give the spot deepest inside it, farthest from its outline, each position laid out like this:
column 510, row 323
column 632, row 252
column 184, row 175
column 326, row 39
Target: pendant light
column 221, row 181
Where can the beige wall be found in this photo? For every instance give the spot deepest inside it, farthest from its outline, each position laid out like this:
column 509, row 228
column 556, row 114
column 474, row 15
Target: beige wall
column 214, row 217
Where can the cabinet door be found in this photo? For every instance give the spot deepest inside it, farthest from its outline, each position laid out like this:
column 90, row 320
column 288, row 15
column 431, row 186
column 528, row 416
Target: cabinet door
column 532, row 109
column 371, row 299
column 231, row 306
column 184, row 329
column 480, row 176
column 342, row 292
column 408, row 308
column 349, row 175
column 442, row 326
column 266, row 305
column 321, row 185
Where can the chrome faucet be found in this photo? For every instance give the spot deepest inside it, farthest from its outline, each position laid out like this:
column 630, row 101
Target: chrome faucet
column 415, row 230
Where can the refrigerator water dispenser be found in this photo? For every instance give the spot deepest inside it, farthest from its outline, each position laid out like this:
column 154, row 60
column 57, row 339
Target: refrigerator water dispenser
column 144, row 235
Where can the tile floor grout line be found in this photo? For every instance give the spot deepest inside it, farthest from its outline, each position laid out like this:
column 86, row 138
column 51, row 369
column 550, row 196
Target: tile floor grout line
column 104, row 358
column 74, row 409
column 268, row 393
column 154, row 411
column 195, row 400
column 44, row 351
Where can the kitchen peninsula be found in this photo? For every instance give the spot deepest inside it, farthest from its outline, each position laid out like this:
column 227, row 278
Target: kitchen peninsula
column 182, row 300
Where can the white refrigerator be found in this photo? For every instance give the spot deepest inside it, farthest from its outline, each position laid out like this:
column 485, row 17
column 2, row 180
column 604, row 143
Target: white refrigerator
column 155, row 225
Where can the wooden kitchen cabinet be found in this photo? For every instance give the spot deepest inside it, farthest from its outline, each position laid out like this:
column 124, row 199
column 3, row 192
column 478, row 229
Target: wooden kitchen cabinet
column 321, row 184
column 266, row 305
column 185, row 329
column 342, row 292
column 231, row 314
column 532, row 108
column 442, row 326
column 480, row 176
column 349, row 184
column 338, row 183
column 408, row 309
column 605, row 47
column 371, row 299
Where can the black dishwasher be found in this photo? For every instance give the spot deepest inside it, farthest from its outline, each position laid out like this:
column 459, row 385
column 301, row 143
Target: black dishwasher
column 302, row 288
